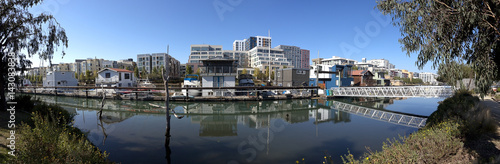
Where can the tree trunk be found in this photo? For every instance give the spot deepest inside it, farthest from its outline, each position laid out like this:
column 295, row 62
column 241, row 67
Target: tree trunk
column 3, row 100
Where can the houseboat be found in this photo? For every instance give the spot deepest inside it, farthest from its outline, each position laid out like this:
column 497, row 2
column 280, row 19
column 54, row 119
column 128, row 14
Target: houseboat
column 191, row 81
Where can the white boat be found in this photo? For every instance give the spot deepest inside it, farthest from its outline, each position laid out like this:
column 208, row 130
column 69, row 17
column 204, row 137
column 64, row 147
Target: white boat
column 145, row 83
column 191, row 81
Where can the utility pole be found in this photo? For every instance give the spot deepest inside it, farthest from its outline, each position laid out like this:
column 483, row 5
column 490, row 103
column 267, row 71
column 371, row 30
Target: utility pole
column 269, row 54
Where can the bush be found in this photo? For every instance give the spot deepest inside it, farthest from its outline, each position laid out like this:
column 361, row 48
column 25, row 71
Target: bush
column 437, row 144
column 49, row 142
column 62, row 115
column 455, row 108
column 463, row 108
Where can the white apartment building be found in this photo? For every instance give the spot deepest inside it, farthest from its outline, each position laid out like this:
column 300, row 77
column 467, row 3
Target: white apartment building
column 428, row 77
column 381, row 63
column 260, row 58
column 239, row 45
column 335, row 60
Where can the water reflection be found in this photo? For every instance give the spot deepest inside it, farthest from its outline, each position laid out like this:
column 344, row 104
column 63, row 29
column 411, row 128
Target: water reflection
column 213, row 132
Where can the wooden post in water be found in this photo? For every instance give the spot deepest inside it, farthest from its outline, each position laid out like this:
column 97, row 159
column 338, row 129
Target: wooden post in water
column 187, row 93
column 136, row 92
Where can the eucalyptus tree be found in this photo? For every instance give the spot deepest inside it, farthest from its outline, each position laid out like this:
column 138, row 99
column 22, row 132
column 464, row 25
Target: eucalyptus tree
column 22, row 31
column 445, row 32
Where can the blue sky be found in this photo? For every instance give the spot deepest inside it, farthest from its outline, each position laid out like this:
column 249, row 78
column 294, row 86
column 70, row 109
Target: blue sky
column 117, row 30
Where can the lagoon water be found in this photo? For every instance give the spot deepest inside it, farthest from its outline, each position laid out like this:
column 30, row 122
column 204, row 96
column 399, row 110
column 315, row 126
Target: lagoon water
column 283, row 131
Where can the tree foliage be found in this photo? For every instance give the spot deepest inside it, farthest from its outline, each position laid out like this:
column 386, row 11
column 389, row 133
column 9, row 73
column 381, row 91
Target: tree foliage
column 453, row 72
column 21, row 30
column 244, row 71
column 256, row 72
column 448, row 31
column 189, row 69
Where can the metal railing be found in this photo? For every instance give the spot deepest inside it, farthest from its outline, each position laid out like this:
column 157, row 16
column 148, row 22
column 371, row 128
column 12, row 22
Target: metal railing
column 403, row 91
column 387, row 116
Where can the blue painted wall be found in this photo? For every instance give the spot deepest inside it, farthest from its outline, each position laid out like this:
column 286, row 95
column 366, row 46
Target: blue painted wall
column 331, row 83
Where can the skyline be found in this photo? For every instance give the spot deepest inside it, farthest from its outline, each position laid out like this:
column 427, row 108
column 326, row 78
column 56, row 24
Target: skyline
column 122, row 29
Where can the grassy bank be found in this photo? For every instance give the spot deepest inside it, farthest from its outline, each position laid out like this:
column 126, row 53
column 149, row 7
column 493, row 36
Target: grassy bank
column 46, row 135
column 458, row 132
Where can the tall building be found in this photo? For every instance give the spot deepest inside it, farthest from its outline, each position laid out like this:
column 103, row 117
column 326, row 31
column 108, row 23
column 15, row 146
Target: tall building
column 144, row 62
column 259, row 58
column 292, row 54
column 239, row 45
column 257, row 41
column 304, row 58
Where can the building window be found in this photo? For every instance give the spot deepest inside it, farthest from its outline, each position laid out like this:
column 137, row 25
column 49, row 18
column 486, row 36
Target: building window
column 127, row 76
column 108, row 75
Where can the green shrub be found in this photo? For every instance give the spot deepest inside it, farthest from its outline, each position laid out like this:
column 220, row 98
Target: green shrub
column 26, row 103
column 49, row 142
column 455, row 108
column 428, row 145
column 62, row 115
column 463, row 108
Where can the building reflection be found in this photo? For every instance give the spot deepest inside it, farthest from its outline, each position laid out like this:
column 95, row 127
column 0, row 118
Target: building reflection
column 218, row 119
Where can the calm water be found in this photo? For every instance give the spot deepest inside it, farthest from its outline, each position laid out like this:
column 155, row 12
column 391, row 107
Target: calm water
column 238, row 132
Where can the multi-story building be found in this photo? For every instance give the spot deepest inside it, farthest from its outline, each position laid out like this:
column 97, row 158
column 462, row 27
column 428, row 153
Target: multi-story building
column 144, row 62
column 257, row 41
column 148, row 62
column 304, row 58
column 240, row 57
column 261, row 58
column 292, row 54
column 239, row 45
column 428, row 77
column 335, row 76
column 203, row 52
column 335, row 60
column 127, row 64
column 182, row 70
column 381, row 63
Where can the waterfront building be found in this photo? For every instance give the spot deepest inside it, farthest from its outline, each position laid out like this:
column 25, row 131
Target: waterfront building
column 331, row 76
column 291, row 77
column 362, row 78
column 218, row 72
column 114, row 77
column 59, row 79
column 380, row 79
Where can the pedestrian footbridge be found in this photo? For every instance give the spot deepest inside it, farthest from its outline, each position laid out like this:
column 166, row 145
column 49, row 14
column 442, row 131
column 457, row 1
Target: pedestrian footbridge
column 392, row 91
column 382, row 115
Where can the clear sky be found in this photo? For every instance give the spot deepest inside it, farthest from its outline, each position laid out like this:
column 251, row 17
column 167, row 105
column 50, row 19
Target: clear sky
column 117, row 30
